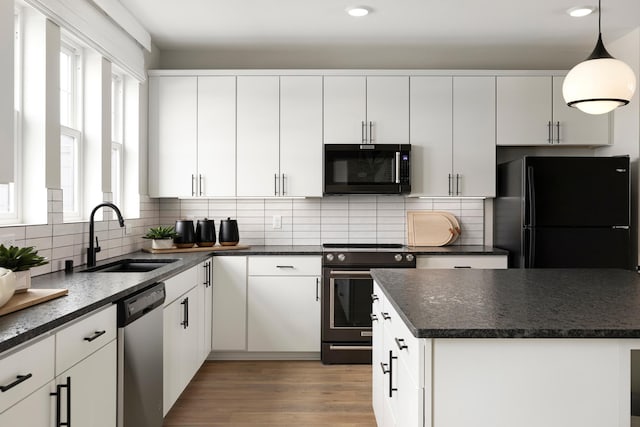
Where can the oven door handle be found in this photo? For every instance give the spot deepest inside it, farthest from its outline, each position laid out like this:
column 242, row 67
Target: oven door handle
column 342, row 273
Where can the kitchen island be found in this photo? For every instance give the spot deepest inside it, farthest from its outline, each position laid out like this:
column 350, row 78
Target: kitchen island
column 493, row 348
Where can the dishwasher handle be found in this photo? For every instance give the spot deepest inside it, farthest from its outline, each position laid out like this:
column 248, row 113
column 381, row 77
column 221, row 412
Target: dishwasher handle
column 134, row 307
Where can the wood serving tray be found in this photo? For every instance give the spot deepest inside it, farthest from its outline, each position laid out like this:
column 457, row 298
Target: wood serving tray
column 196, row 249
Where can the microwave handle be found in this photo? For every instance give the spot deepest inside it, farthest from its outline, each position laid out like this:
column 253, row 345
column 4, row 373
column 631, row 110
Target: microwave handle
column 397, row 167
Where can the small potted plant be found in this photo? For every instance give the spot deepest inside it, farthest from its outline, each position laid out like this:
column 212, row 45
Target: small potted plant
column 161, row 236
column 20, row 261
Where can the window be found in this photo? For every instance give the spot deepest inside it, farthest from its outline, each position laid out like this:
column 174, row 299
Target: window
column 9, row 212
column 70, row 130
column 117, row 138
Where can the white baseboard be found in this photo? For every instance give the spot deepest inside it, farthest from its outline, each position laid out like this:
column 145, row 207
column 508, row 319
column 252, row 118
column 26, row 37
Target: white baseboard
column 256, row 355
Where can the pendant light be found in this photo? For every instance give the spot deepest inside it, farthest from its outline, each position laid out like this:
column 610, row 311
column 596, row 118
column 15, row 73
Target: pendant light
column 600, row 83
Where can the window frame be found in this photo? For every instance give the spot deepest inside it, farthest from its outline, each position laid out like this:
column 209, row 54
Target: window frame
column 73, row 128
column 118, row 118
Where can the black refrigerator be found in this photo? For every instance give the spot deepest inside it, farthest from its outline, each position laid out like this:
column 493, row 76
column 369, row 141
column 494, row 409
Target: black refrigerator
column 557, row 212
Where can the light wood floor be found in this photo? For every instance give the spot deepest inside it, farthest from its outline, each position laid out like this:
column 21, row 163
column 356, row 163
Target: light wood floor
column 275, row 393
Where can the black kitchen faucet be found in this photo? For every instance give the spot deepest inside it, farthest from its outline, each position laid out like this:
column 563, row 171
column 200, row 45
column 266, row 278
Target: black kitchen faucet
column 93, row 250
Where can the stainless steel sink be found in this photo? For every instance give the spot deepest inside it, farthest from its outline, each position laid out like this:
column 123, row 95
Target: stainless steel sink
column 130, row 265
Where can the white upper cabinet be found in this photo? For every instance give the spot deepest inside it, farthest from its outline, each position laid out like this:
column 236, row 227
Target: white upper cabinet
column 216, row 154
column 453, row 136
column 173, row 129
column 192, row 136
column 531, row 111
column 431, row 135
column 388, row 109
column 301, row 136
column 474, row 136
column 361, row 110
column 258, row 135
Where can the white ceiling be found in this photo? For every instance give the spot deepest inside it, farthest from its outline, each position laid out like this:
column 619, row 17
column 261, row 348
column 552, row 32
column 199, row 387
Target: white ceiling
column 457, row 33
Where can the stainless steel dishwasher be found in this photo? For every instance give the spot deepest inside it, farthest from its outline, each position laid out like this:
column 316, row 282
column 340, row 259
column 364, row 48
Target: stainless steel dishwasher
column 140, row 381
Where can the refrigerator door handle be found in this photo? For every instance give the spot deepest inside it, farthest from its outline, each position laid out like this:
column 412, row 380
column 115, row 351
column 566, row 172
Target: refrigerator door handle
column 531, row 195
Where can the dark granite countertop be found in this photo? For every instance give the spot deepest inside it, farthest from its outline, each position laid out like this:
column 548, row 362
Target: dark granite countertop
column 515, row 303
column 90, row 291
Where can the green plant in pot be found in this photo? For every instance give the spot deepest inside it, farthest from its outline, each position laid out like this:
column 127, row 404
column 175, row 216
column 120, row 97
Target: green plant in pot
column 161, row 236
column 20, row 261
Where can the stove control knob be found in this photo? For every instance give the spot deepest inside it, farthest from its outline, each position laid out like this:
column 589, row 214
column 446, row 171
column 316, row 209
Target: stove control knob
column 398, row 257
column 409, row 257
column 329, row 257
column 341, row 257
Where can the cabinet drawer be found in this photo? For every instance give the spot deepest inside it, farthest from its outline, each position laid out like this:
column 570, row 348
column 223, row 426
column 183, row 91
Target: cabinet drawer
column 284, row 266
column 409, row 349
column 180, row 284
column 35, row 360
column 462, row 261
column 85, row 336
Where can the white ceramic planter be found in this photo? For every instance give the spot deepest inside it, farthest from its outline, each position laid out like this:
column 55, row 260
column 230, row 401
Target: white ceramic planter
column 161, row 243
column 7, row 285
column 23, row 280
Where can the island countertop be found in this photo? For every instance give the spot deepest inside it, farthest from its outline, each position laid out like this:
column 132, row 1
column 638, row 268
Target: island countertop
column 515, row 303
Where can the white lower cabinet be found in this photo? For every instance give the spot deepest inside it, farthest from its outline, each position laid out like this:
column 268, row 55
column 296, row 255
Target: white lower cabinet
column 283, row 304
column 206, row 307
column 229, row 330
column 398, row 361
column 462, row 261
column 69, row 377
column 182, row 330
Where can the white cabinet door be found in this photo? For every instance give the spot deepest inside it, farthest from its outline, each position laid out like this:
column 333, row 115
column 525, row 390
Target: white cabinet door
column 172, row 136
column 229, row 303
column 431, row 135
column 388, row 109
column 216, row 154
column 36, row 410
column 377, row 356
column 474, row 136
column 345, row 103
column 283, row 313
column 523, row 110
column 181, row 358
column 576, row 127
column 93, row 389
column 206, row 308
column 258, row 135
column 301, row 136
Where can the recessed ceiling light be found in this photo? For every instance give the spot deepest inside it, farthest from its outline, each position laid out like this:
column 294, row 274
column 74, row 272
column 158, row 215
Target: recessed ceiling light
column 358, row 11
column 580, row 11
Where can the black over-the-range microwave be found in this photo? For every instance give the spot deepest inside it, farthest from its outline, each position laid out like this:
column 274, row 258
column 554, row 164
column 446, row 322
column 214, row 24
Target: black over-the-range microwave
column 367, row 168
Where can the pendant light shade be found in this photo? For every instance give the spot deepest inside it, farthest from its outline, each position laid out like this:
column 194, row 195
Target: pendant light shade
column 600, row 83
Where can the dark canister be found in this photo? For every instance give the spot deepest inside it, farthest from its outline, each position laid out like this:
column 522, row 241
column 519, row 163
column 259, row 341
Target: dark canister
column 205, row 232
column 229, row 234
column 186, row 235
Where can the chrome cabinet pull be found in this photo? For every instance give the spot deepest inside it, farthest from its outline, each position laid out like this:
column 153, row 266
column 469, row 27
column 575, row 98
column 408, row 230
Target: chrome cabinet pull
column 450, row 186
column 96, row 335
column 370, row 132
column 364, row 137
column 549, row 137
column 200, row 184
column 457, row 184
column 275, row 184
column 284, row 184
column 19, row 379
column 401, row 343
column 558, row 132
column 193, row 185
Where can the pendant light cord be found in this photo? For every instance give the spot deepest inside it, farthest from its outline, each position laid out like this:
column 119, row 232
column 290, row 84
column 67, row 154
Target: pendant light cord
column 599, row 17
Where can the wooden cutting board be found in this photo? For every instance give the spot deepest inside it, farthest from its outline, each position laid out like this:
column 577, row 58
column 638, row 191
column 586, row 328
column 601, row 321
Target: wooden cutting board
column 29, row 298
column 195, row 249
column 427, row 228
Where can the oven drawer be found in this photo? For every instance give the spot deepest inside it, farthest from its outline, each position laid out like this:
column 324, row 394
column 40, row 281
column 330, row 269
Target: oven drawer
column 284, row 266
